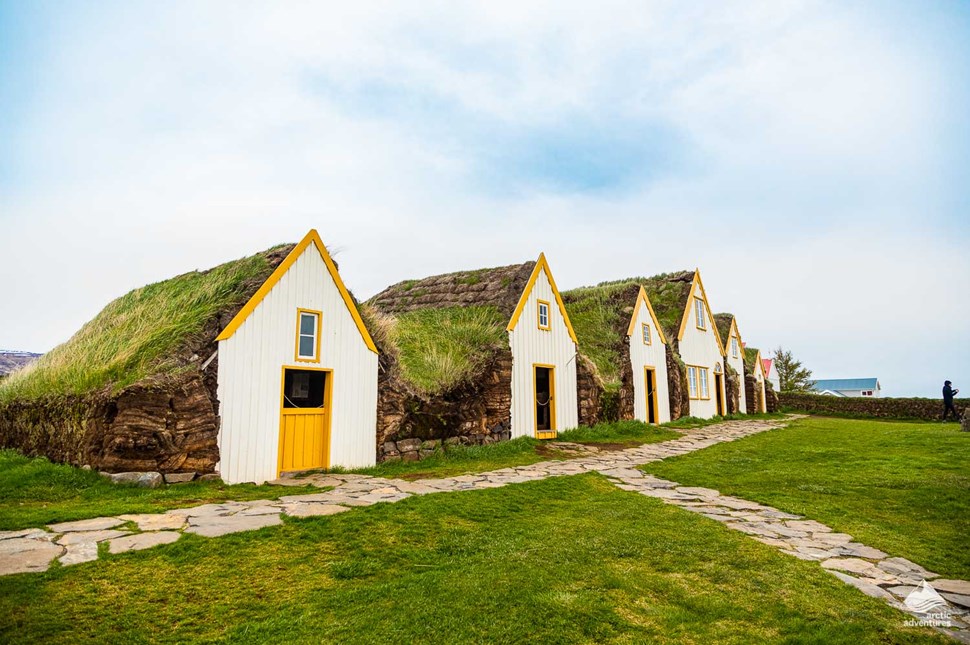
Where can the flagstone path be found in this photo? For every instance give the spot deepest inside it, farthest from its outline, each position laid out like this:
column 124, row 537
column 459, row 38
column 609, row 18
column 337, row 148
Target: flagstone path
column 868, row 569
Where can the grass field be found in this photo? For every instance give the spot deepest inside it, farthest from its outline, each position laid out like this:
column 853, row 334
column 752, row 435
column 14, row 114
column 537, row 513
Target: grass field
column 900, row 487
column 565, row 560
column 35, row 492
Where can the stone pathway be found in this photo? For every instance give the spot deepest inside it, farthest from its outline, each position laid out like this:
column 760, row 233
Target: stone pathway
column 33, row 550
column 868, row 569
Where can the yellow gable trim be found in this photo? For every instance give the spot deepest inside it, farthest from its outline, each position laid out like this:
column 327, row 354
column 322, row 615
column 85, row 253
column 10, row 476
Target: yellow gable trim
column 707, row 306
column 733, row 331
column 311, row 238
column 761, row 366
column 541, row 266
column 642, row 297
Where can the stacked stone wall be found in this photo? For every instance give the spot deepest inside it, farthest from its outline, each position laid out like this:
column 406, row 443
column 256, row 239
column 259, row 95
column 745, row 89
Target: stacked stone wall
column 163, row 424
column 878, row 408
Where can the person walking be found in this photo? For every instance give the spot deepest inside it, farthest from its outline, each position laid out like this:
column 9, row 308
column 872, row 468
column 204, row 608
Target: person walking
column 948, row 394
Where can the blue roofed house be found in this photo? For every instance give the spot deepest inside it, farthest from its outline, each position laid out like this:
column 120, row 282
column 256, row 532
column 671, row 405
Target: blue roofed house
column 848, row 387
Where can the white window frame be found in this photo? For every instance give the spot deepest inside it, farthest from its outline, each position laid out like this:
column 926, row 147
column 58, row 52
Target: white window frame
column 317, row 318
column 705, row 385
column 692, row 382
column 700, row 319
column 547, row 325
column 734, row 346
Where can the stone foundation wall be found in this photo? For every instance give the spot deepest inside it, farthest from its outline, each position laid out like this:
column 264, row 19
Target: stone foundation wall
column 732, row 386
column 167, row 425
column 677, row 385
column 626, row 398
column 411, row 426
column 589, row 391
column 752, row 394
column 881, row 408
column 772, row 404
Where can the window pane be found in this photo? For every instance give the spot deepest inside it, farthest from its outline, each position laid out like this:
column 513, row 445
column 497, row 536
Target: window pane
column 307, row 346
column 308, row 324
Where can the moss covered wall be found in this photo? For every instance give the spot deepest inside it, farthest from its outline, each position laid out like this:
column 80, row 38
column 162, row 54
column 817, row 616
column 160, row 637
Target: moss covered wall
column 879, row 408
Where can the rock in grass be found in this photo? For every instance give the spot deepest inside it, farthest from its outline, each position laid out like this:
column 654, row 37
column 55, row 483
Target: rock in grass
column 145, row 480
column 142, row 541
column 210, row 477
column 96, row 524
column 178, row 478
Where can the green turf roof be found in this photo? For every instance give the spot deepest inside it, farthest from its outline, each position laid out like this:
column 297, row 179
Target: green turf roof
column 750, row 358
column 723, row 323
column 155, row 329
column 669, row 293
column 600, row 316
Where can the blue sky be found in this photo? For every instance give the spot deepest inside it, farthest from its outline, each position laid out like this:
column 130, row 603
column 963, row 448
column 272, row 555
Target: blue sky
column 810, row 157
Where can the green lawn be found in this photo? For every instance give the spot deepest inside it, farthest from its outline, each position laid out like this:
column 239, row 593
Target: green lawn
column 569, row 559
column 35, row 492
column 900, row 487
column 523, row 451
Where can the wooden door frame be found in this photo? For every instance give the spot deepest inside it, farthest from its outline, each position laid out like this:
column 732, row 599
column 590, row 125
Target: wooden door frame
column 553, row 427
column 328, row 411
column 656, row 406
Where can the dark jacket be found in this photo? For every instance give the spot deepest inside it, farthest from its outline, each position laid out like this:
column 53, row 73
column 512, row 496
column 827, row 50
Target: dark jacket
column 947, row 394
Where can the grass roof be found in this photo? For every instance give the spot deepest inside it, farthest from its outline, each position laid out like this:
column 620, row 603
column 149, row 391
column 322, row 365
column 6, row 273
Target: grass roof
column 445, row 329
column 669, row 293
column 600, row 316
column 438, row 349
column 723, row 324
column 498, row 287
column 156, row 329
column 750, row 358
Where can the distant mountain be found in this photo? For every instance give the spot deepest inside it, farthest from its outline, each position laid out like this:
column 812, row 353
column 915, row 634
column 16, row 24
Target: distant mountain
column 11, row 360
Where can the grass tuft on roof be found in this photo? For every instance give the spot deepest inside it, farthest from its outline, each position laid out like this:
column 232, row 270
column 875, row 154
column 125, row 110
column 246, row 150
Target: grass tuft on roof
column 669, row 293
column 750, row 358
column 147, row 331
column 600, row 316
column 440, row 348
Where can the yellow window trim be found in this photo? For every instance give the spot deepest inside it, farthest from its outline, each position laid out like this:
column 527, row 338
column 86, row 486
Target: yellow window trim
column 690, row 306
column 319, row 329
column 699, row 397
column 311, row 238
column 327, row 402
column 545, row 434
column 646, row 337
column 541, row 266
column 642, row 297
column 548, row 325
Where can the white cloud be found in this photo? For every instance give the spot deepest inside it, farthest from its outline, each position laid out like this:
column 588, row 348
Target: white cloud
column 802, row 180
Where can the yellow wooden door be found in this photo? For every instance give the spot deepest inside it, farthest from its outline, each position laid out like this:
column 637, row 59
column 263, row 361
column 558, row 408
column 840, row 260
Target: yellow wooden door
column 304, row 443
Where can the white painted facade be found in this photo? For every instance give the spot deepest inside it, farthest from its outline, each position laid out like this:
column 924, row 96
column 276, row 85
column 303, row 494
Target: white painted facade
column 772, row 376
column 759, row 378
column 700, row 348
column 643, row 356
column 734, row 350
column 250, row 374
column 530, row 346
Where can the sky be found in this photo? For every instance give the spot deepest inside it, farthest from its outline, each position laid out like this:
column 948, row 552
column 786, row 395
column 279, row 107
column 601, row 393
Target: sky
column 811, row 158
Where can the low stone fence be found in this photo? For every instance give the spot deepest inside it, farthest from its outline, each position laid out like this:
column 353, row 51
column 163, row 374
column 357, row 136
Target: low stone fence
column 878, row 408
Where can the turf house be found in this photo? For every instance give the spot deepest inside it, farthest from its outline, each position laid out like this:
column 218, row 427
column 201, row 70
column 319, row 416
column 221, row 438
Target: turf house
column 476, row 357
column 255, row 366
column 618, row 329
column 696, row 373
column 727, row 329
column 755, row 381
